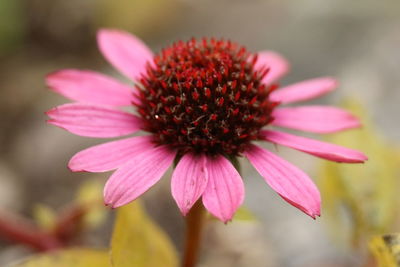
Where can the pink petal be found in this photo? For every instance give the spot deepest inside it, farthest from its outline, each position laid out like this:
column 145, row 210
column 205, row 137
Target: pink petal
column 314, row 147
column 278, row 66
column 304, row 90
column 291, row 183
column 225, row 190
column 124, row 51
column 189, row 181
column 91, row 87
column 109, row 156
column 93, row 121
column 135, row 177
column 316, row 119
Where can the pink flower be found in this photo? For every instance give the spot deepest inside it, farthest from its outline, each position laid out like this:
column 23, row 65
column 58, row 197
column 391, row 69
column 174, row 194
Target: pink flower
column 202, row 103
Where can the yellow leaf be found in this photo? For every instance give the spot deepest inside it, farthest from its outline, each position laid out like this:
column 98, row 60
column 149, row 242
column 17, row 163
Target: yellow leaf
column 244, row 214
column 386, row 250
column 90, row 195
column 366, row 192
column 44, row 216
column 68, row 258
column 138, row 241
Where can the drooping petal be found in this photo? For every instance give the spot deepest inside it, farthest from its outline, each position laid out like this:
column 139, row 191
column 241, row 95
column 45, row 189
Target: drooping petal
column 316, row 119
column 225, row 190
column 109, row 156
column 291, row 183
column 304, row 90
column 90, row 87
column 314, row 147
column 189, row 181
column 125, row 52
column 136, row 176
column 93, row 121
column 277, row 65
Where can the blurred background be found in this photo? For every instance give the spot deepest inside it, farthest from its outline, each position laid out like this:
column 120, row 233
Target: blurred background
column 357, row 42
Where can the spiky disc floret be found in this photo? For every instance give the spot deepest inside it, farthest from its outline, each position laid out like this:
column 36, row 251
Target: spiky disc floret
column 205, row 96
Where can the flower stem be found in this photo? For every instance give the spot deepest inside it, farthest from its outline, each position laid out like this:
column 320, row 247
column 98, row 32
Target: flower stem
column 194, row 226
column 19, row 230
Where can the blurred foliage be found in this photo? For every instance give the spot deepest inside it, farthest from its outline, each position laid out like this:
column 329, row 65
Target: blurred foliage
column 137, row 16
column 54, row 25
column 44, row 216
column 365, row 193
column 244, row 214
column 12, row 24
column 53, row 229
column 88, row 204
column 90, row 195
column 386, row 250
column 136, row 241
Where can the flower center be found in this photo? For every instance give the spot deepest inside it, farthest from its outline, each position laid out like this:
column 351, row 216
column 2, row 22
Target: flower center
column 205, row 96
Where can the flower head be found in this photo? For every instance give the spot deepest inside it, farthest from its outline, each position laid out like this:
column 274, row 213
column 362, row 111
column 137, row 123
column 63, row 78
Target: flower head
column 202, row 104
column 205, row 97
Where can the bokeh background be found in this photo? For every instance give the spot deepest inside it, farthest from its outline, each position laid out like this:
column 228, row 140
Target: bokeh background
column 357, row 42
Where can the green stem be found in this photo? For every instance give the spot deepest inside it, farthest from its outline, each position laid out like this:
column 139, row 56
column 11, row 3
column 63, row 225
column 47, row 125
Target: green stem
column 194, row 226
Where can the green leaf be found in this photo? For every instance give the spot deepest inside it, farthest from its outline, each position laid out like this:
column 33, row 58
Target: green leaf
column 386, row 250
column 366, row 192
column 138, row 241
column 68, row 258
